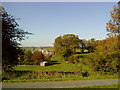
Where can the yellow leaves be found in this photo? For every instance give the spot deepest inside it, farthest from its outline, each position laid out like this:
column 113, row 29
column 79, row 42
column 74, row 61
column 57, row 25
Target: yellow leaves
column 112, row 25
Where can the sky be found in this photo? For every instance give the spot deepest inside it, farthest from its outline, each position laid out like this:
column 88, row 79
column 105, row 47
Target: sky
column 48, row 20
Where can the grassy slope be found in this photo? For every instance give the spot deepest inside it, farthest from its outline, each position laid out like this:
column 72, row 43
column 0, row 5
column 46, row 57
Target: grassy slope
column 60, row 66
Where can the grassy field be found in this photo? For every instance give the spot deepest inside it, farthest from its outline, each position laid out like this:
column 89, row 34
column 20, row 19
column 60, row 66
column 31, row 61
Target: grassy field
column 57, row 65
column 103, row 86
column 60, row 67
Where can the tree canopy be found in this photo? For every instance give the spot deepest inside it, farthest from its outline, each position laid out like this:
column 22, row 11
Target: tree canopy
column 113, row 25
column 27, row 57
column 67, row 44
column 11, row 34
column 37, row 57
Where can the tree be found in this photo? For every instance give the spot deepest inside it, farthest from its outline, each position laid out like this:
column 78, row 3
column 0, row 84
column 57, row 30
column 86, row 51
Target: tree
column 82, row 46
column 67, row 45
column 92, row 44
column 21, row 57
column 48, row 58
column 58, row 44
column 107, row 52
column 27, row 57
column 106, row 57
column 37, row 57
column 113, row 26
column 11, row 34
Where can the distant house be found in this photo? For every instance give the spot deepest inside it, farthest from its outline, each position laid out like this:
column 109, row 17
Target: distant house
column 47, row 52
column 44, row 63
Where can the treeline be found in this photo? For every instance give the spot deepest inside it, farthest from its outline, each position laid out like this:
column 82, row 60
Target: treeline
column 98, row 55
column 27, row 57
column 105, row 57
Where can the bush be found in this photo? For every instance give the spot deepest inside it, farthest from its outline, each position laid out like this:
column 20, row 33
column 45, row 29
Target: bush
column 7, row 75
column 37, row 57
column 48, row 58
column 105, row 63
column 78, row 56
column 73, row 59
column 85, row 74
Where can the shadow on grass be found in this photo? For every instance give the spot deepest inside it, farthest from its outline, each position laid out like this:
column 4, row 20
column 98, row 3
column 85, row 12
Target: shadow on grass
column 53, row 63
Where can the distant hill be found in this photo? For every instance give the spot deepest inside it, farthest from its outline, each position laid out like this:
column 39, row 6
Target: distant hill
column 35, row 48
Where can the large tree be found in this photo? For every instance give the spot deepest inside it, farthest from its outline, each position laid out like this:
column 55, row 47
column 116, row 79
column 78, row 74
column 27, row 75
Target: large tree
column 107, row 54
column 67, row 45
column 113, row 26
column 11, row 34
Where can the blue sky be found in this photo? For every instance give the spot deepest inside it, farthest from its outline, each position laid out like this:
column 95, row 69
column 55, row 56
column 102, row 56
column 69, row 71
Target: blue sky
column 50, row 20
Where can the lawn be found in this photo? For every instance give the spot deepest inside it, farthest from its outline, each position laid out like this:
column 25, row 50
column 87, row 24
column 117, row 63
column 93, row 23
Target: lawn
column 58, row 64
column 67, row 67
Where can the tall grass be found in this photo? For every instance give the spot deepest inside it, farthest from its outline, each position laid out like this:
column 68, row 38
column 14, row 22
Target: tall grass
column 55, row 76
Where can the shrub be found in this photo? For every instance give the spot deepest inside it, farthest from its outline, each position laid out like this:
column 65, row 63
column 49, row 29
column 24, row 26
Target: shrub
column 73, row 59
column 37, row 57
column 48, row 58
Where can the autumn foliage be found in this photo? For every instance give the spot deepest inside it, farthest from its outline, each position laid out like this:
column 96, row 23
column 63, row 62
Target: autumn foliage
column 113, row 26
column 106, row 57
column 37, row 57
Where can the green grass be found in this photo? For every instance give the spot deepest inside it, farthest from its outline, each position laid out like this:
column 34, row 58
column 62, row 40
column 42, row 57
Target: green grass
column 59, row 66
column 102, row 86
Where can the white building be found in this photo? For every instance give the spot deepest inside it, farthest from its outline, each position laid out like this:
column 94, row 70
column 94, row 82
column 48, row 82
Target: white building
column 43, row 63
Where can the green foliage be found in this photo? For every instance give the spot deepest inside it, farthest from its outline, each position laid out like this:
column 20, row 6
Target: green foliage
column 54, row 76
column 21, row 57
column 79, row 56
column 105, row 58
column 27, row 57
column 67, row 45
column 73, row 59
column 48, row 58
column 92, row 44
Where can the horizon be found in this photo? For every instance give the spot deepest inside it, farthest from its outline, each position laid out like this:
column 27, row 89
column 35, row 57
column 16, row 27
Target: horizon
column 49, row 20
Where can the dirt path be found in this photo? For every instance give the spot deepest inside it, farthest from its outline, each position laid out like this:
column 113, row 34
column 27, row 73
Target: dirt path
column 59, row 84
